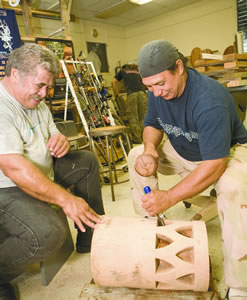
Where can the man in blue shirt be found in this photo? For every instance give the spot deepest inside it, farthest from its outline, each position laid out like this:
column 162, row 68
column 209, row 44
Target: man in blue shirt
column 192, row 129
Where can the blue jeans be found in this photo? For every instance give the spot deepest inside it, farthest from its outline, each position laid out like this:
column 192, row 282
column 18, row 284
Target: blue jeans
column 30, row 230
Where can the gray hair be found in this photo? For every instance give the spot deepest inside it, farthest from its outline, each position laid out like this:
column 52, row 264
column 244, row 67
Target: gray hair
column 26, row 58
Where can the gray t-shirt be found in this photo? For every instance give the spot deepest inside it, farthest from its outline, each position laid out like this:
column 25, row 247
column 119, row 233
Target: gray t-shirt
column 26, row 132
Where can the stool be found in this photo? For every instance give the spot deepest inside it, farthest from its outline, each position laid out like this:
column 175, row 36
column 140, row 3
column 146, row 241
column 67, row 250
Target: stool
column 208, row 205
column 52, row 265
column 108, row 133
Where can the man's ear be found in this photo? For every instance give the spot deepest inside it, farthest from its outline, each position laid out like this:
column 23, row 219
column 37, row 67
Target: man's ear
column 180, row 66
column 15, row 74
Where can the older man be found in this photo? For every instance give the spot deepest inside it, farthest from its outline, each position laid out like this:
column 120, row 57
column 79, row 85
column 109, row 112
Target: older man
column 33, row 153
column 206, row 143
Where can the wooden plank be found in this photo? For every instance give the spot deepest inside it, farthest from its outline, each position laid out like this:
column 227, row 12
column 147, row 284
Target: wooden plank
column 235, row 56
column 211, row 56
column 211, row 70
column 208, row 62
column 27, row 17
column 200, row 69
column 65, row 6
column 217, row 73
column 234, row 83
column 234, row 64
column 234, row 75
column 93, row 291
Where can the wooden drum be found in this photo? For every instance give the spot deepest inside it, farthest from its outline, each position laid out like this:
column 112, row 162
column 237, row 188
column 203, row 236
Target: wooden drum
column 137, row 253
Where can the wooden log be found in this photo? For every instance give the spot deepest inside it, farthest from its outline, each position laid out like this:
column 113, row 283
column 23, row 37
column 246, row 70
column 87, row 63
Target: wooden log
column 93, row 291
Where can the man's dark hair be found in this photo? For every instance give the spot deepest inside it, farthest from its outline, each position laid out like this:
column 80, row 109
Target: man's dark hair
column 184, row 60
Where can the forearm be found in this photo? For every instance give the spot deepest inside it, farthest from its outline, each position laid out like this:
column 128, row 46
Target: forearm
column 152, row 137
column 197, row 181
column 31, row 180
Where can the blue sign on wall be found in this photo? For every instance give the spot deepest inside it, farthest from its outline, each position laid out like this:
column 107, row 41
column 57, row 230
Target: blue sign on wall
column 9, row 36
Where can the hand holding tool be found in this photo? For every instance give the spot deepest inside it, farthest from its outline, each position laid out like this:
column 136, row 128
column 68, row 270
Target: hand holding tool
column 160, row 219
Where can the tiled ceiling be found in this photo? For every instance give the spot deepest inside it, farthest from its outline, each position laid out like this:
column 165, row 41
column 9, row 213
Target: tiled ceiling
column 115, row 12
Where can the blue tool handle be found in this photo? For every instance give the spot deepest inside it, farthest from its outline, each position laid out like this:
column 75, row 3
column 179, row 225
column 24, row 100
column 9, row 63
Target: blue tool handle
column 147, row 189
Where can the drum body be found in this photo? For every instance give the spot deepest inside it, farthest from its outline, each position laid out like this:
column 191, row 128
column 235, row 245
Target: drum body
column 137, row 253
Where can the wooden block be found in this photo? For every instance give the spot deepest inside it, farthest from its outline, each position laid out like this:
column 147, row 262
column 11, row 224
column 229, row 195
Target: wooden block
column 93, row 291
column 234, row 83
column 229, row 65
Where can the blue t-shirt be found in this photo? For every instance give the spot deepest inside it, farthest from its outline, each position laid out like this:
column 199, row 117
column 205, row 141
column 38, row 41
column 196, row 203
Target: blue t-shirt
column 201, row 124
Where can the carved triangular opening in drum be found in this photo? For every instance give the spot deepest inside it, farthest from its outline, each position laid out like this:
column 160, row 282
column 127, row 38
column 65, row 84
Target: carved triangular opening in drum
column 187, row 279
column 162, row 241
column 162, row 266
column 161, row 285
column 187, row 255
column 185, row 231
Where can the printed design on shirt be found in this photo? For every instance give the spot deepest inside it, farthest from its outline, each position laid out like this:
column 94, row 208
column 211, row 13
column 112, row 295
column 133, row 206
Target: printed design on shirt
column 176, row 131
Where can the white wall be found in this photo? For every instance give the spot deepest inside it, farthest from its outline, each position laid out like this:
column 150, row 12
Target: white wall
column 112, row 36
column 208, row 24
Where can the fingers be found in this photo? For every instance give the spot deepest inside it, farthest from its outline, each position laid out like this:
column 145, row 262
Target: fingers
column 81, row 213
column 154, row 202
column 79, row 224
column 58, row 145
column 90, row 218
column 60, row 151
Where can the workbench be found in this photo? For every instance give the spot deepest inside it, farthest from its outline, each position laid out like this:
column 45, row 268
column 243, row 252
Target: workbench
column 92, row 292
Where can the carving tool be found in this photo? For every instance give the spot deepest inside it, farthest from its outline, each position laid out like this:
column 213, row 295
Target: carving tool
column 160, row 219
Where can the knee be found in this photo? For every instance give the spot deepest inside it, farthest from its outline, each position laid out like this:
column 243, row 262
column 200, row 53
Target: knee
column 134, row 152
column 88, row 157
column 230, row 184
column 50, row 235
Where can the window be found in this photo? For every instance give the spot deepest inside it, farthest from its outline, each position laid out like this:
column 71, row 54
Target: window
column 242, row 20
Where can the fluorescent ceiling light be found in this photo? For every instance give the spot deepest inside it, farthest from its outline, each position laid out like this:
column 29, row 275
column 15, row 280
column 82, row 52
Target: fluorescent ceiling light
column 140, row 2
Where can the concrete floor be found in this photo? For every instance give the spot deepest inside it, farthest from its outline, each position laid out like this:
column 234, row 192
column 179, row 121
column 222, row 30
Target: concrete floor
column 69, row 282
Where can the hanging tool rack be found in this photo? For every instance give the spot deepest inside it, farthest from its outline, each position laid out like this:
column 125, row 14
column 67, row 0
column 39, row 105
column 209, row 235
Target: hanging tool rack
column 89, row 92
column 90, row 98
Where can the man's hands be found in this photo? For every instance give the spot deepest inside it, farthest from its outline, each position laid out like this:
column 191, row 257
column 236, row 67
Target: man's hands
column 58, row 145
column 80, row 212
column 156, row 202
